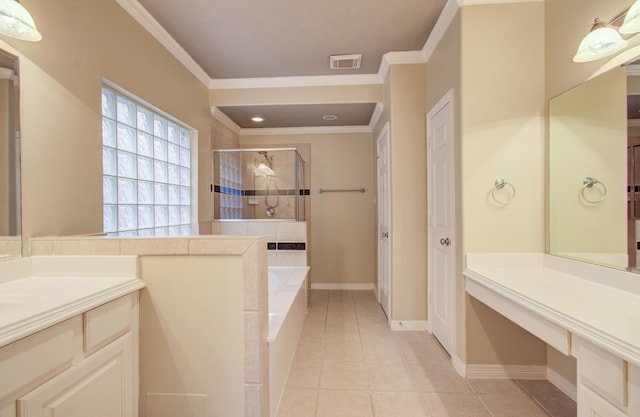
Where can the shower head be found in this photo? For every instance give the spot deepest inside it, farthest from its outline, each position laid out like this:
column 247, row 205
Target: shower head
column 264, row 169
column 268, row 159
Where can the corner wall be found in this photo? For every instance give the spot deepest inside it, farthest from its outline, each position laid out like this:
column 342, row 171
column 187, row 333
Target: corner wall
column 502, row 121
column 409, row 198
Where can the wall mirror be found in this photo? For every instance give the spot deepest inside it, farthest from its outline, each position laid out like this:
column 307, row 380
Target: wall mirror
column 591, row 171
column 10, row 205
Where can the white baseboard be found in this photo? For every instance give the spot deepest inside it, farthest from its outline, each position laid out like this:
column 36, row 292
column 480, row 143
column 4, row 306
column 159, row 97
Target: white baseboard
column 459, row 366
column 563, row 384
column 506, row 371
column 413, row 325
column 337, row 286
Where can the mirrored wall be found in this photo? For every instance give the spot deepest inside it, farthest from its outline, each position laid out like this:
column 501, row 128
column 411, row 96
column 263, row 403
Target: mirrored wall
column 592, row 187
column 10, row 204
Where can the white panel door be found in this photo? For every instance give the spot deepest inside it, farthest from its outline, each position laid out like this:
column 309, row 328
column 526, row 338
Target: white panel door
column 384, row 222
column 440, row 253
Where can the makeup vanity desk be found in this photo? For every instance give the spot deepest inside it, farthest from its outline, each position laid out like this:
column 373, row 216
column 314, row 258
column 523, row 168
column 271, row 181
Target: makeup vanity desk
column 582, row 310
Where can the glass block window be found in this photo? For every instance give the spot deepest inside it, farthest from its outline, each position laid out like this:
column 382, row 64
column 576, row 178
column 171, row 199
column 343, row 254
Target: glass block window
column 231, row 186
column 146, row 164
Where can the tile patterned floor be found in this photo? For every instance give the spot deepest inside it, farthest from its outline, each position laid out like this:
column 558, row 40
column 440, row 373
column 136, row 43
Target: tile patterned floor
column 350, row 364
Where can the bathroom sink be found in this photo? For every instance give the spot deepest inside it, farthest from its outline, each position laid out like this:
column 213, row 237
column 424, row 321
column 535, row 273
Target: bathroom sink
column 11, row 307
column 14, row 305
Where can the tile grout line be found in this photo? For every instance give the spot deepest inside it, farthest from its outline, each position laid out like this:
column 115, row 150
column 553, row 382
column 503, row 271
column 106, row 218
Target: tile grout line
column 534, row 398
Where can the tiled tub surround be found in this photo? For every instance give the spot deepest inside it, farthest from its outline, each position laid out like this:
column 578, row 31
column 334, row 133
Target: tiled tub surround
column 586, row 311
column 287, row 311
column 287, row 241
column 203, row 320
column 10, row 247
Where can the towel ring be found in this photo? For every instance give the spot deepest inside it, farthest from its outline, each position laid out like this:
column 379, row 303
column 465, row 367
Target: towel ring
column 588, row 183
column 499, row 185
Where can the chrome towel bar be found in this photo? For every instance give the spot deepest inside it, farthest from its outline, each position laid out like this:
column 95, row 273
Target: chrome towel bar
column 352, row 190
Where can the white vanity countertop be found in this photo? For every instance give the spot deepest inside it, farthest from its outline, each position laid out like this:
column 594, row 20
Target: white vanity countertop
column 38, row 292
column 598, row 304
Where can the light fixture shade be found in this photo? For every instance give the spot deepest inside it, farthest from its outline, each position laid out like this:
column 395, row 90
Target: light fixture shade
column 631, row 22
column 600, row 42
column 15, row 21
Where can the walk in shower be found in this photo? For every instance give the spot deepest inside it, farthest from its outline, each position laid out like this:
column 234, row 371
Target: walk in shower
column 264, row 183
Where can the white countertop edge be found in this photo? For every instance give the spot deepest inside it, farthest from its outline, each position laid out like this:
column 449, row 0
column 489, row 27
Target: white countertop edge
column 28, row 326
column 620, row 348
column 611, row 277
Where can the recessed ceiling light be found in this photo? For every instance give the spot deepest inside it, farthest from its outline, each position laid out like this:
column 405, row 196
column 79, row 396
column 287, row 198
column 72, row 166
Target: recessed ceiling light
column 257, row 119
column 330, row 117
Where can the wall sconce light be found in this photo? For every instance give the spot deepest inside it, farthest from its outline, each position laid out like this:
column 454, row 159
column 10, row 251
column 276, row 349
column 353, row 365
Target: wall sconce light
column 604, row 39
column 16, row 21
column 631, row 22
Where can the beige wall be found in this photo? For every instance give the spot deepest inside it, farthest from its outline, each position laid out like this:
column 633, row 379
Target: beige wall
column 341, row 236
column 502, row 110
column 61, row 108
column 409, row 198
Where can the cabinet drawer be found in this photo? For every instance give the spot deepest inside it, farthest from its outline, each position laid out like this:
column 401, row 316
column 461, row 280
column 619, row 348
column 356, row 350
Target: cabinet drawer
column 603, row 372
column 106, row 323
column 36, row 358
column 591, row 404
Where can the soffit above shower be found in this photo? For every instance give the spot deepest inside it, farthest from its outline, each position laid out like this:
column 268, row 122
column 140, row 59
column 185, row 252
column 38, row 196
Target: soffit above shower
column 307, row 115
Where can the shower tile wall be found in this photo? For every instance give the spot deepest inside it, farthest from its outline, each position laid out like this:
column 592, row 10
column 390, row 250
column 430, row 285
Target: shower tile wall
column 288, row 244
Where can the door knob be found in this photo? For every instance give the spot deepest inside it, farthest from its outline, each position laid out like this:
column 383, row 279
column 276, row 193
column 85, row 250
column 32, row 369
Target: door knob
column 385, row 234
column 445, row 242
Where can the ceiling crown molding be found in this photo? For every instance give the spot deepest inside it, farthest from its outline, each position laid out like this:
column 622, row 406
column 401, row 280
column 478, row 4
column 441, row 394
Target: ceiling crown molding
column 144, row 18
column 393, row 58
column 375, row 117
column 313, row 130
column 225, row 120
column 440, row 28
column 302, row 81
column 481, row 2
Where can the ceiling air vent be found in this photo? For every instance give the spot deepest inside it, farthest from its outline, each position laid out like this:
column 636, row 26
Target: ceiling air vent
column 345, row 61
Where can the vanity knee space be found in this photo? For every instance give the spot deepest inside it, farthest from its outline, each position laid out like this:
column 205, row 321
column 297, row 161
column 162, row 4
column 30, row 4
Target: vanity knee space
column 607, row 385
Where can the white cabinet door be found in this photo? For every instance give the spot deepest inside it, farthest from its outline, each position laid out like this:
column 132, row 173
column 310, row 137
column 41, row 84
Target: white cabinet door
column 99, row 386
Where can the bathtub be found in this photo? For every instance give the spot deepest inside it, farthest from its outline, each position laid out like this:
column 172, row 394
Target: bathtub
column 287, row 309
